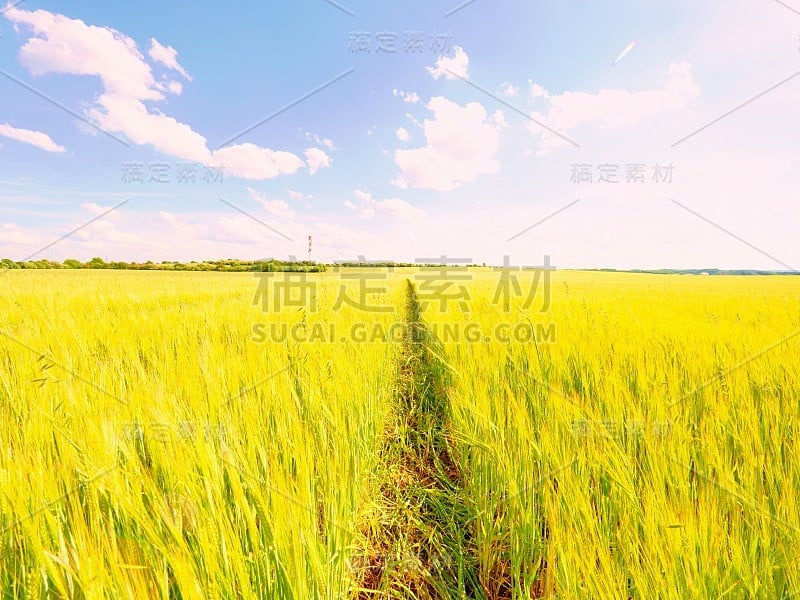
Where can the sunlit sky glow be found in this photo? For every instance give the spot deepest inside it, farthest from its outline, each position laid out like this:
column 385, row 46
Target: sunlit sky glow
column 403, row 131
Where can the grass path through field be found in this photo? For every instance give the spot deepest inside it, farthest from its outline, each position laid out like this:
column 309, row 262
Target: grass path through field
column 418, row 541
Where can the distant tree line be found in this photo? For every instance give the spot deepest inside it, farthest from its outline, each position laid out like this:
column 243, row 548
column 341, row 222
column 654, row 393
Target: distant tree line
column 697, row 271
column 228, row 265
column 275, row 265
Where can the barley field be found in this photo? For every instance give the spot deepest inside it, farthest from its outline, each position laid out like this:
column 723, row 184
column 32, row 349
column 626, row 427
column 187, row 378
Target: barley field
column 185, row 435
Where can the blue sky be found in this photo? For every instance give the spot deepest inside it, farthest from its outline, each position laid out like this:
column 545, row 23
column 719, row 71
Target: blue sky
column 439, row 151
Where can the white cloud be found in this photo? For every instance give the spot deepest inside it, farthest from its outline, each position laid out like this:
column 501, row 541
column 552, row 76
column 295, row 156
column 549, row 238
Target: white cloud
column 612, row 108
column 367, row 207
column 175, row 87
column 70, row 46
column 409, row 97
column 364, row 206
column 537, row 91
column 509, row 90
column 277, row 208
column 254, row 162
column 14, row 234
column 451, row 67
column 402, row 134
column 167, row 56
column 28, row 136
column 461, row 146
column 123, row 114
column 63, row 45
column 180, row 228
column 317, row 159
column 413, row 119
column 197, row 235
column 294, row 195
column 399, row 182
column 325, row 142
column 97, row 210
column 104, row 232
column 400, row 209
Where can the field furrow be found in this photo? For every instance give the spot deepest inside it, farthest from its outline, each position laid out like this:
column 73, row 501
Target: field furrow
column 419, row 540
